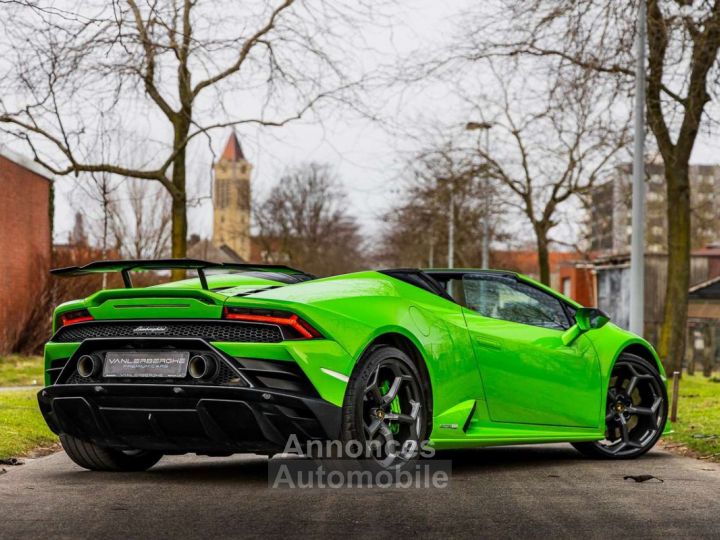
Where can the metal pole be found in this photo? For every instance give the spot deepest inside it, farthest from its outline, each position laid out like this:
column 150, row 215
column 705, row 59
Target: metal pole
column 637, row 258
column 451, row 227
column 486, row 240
column 485, row 262
column 486, row 212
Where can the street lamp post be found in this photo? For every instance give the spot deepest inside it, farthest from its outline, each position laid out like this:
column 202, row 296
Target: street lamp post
column 485, row 126
column 637, row 257
column 451, row 227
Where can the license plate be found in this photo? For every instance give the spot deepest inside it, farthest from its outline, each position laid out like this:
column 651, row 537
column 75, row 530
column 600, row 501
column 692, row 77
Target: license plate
column 160, row 364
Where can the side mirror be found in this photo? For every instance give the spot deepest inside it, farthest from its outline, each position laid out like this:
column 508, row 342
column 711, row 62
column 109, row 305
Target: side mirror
column 585, row 319
column 591, row 318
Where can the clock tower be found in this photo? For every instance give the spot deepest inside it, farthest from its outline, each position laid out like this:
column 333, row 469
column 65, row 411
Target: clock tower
column 231, row 200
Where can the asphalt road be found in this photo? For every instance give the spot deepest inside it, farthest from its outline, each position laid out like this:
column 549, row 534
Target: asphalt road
column 530, row 492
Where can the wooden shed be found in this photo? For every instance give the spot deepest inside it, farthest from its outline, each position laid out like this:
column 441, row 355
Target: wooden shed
column 704, row 325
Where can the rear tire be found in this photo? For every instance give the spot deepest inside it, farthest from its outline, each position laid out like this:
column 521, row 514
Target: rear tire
column 98, row 458
column 636, row 411
column 387, row 403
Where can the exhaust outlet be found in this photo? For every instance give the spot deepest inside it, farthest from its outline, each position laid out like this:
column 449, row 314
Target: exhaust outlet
column 201, row 366
column 88, row 366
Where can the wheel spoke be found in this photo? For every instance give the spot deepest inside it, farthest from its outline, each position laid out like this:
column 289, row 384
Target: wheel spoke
column 405, row 418
column 656, row 404
column 392, row 392
column 619, row 447
column 642, row 411
column 651, row 411
column 402, row 418
column 389, row 442
column 372, row 429
column 624, row 429
column 374, row 390
column 631, row 386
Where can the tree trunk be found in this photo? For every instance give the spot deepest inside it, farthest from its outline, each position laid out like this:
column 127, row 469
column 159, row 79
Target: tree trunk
column 694, row 353
column 709, row 336
column 543, row 255
column 672, row 332
column 690, row 352
column 179, row 209
column 179, row 227
column 689, row 348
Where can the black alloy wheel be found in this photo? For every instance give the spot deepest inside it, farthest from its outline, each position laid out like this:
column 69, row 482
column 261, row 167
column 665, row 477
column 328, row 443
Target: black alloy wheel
column 636, row 411
column 386, row 408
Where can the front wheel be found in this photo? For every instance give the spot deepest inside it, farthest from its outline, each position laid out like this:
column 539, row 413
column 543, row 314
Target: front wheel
column 636, row 411
column 98, row 458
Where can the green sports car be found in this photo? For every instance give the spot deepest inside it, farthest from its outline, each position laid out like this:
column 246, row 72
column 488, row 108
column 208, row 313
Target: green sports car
column 244, row 357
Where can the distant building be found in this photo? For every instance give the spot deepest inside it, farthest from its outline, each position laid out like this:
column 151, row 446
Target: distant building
column 203, row 249
column 526, row 262
column 231, row 201
column 610, row 225
column 605, row 282
column 704, row 323
column 25, row 239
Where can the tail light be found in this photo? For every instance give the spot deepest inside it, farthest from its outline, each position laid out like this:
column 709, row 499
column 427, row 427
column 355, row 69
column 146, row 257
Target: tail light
column 74, row 317
column 299, row 328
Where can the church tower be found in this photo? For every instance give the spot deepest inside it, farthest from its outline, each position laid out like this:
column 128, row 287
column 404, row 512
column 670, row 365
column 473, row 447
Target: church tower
column 231, row 200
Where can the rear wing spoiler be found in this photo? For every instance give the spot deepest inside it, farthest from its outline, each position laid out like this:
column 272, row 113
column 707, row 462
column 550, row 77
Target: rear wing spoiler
column 127, row 266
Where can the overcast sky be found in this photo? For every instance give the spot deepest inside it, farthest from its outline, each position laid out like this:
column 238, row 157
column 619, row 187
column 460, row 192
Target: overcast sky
column 365, row 155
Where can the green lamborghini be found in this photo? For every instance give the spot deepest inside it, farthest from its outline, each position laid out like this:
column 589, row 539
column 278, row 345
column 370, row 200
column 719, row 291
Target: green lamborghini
column 244, row 357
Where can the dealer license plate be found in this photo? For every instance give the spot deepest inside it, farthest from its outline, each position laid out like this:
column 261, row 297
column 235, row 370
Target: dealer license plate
column 160, row 364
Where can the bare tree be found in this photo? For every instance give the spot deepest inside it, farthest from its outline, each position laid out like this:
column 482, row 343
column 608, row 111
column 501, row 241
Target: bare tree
column 551, row 147
column 167, row 73
column 304, row 222
column 415, row 229
column 597, row 37
column 141, row 221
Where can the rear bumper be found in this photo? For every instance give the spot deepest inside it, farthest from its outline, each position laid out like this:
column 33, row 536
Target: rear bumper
column 176, row 419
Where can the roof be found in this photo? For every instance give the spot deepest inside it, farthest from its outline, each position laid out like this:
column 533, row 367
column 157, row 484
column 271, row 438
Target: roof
column 25, row 162
column 713, row 250
column 526, row 261
column 233, row 150
column 205, row 249
column 707, row 290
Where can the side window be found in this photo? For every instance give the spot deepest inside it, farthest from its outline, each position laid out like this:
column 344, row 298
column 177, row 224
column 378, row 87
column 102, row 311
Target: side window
column 512, row 301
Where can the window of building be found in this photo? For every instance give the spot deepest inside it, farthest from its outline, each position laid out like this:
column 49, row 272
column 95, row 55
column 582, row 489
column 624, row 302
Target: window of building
column 566, row 286
column 222, row 194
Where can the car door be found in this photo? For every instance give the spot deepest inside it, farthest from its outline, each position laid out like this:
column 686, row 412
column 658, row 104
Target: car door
column 529, row 375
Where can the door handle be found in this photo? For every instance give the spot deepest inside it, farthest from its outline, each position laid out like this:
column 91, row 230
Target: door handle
column 486, row 343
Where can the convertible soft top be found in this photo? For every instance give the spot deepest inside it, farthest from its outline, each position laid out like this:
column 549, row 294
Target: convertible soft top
column 200, row 266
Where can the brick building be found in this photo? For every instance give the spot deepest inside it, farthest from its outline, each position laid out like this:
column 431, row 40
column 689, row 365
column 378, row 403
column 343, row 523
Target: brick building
column 526, row 262
column 25, row 239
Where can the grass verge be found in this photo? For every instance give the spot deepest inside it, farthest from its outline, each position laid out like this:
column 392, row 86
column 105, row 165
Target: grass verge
column 697, row 429
column 22, row 427
column 21, row 371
